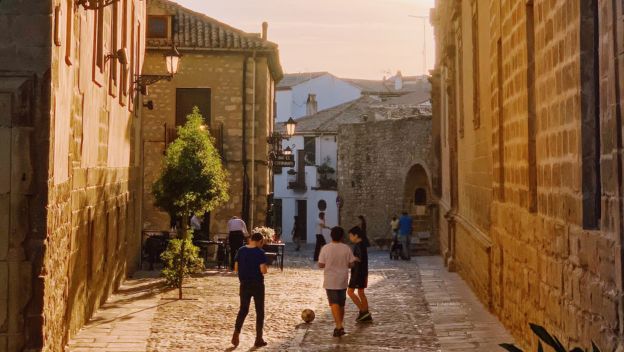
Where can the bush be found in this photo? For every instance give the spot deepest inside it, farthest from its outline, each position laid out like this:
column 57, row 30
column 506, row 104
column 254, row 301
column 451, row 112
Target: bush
column 188, row 262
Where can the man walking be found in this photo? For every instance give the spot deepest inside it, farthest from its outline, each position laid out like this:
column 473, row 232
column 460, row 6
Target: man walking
column 320, row 239
column 405, row 234
column 250, row 263
column 237, row 230
column 336, row 258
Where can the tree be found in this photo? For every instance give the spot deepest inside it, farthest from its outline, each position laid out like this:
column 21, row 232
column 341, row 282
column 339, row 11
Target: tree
column 193, row 181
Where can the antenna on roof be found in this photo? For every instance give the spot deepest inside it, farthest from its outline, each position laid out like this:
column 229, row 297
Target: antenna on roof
column 424, row 51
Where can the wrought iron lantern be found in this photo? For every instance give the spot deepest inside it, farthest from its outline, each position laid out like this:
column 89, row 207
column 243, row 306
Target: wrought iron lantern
column 172, row 61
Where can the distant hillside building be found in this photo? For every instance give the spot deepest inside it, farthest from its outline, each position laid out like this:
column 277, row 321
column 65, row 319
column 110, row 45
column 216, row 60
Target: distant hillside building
column 303, row 94
column 230, row 75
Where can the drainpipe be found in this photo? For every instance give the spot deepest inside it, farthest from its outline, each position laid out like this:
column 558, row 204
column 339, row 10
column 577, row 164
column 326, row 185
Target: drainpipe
column 244, row 213
column 253, row 145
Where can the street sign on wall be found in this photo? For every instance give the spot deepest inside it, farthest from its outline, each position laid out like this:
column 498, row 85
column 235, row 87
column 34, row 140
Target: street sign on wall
column 283, row 160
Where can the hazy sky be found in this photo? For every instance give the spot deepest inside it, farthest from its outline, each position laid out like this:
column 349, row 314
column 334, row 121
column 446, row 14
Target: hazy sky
column 349, row 38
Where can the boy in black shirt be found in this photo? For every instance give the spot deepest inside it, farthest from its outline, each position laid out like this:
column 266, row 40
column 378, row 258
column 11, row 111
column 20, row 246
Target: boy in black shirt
column 250, row 263
column 359, row 274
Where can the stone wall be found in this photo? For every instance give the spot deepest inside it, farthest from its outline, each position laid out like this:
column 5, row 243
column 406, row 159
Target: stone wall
column 377, row 160
column 520, row 233
column 74, row 177
column 223, row 74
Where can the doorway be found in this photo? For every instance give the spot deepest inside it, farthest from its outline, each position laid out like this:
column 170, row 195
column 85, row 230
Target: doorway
column 302, row 214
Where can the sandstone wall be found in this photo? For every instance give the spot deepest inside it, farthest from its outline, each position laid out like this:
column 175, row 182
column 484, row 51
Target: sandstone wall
column 74, row 178
column 518, row 233
column 223, row 74
column 391, row 151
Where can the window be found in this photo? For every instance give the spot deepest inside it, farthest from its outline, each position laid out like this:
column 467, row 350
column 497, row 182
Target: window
column 531, row 106
column 114, row 64
column 187, row 99
column 69, row 32
column 98, row 70
column 309, row 145
column 158, row 27
column 124, row 44
column 476, row 103
column 420, row 197
column 590, row 115
column 501, row 120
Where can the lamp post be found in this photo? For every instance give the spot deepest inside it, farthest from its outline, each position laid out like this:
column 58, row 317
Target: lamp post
column 172, row 61
column 276, row 138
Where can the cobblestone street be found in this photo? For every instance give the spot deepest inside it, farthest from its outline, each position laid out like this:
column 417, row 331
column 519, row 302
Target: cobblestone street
column 417, row 306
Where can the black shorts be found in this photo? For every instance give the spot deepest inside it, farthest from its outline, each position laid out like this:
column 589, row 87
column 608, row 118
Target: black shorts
column 338, row 297
column 358, row 281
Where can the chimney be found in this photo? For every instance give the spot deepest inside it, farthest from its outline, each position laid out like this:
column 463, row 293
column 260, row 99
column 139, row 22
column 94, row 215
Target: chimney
column 265, row 30
column 311, row 105
column 398, row 81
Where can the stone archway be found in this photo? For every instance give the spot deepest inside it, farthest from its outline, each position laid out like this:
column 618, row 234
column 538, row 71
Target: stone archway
column 418, row 202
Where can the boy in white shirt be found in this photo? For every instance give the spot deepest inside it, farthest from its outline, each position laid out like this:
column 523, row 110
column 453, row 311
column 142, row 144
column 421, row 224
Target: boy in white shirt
column 335, row 259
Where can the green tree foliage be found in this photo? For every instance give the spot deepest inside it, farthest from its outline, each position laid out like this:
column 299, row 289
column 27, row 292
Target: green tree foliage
column 192, row 181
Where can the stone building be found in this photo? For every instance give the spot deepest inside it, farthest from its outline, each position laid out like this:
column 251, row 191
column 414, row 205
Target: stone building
column 230, row 75
column 385, row 166
column 69, row 142
column 528, row 131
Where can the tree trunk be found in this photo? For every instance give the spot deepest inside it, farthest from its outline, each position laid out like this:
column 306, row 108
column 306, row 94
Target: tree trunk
column 182, row 262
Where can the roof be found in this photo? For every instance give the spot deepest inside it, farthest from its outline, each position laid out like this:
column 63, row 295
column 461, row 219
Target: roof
column 386, row 86
column 194, row 30
column 366, row 108
column 293, row 79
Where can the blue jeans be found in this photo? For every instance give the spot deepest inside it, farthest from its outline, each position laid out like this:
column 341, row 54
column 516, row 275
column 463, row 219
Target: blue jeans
column 405, row 243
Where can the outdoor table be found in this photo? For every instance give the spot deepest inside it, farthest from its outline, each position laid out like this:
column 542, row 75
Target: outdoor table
column 278, row 250
column 221, row 251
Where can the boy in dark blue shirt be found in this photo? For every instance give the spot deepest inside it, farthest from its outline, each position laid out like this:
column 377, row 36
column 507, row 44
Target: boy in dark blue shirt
column 250, row 263
column 359, row 274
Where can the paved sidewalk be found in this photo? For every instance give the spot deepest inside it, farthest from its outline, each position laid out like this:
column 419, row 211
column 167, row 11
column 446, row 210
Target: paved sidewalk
column 416, row 305
column 123, row 323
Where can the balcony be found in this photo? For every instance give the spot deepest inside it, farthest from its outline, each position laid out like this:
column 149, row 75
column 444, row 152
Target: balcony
column 296, row 181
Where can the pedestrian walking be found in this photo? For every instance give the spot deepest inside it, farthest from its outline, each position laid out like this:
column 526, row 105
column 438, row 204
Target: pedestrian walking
column 296, row 233
column 320, row 240
column 394, row 227
column 251, row 265
column 362, row 226
column 237, row 230
column 359, row 275
column 405, row 234
column 335, row 259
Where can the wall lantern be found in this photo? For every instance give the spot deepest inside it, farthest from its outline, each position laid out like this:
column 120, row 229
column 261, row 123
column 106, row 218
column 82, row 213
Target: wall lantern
column 276, row 138
column 290, row 127
column 172, row 60
column 95, row 4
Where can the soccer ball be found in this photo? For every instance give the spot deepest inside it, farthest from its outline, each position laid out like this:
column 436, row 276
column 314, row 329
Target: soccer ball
column 307, row 315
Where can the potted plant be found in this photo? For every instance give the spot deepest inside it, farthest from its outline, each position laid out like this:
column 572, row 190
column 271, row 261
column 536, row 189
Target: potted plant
column 324, row 171
column 192, row 181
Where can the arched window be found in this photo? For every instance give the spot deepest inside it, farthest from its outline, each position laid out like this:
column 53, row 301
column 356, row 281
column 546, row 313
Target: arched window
column 420, row 197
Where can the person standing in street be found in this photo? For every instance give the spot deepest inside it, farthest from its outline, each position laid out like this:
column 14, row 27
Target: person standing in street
column 394, row 227
column 320, row 240
column 362, row 226
column 405, row 234
column 335, row 259
column 296, row 234
column 359, row 275
column 251, row 265
column 237, row 230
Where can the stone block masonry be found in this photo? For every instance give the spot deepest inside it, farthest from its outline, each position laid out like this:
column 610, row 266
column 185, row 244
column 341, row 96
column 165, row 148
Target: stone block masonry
column 380, row 166
column 70, row 182
column 534, row 211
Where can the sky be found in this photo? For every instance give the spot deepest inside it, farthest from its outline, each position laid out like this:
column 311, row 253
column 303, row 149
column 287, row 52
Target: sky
column 349, row 38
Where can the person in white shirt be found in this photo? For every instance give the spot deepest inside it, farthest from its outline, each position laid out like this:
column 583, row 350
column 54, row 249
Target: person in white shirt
column 320, row 240
column 335, row 259
column 237, row 231
column 195, row 223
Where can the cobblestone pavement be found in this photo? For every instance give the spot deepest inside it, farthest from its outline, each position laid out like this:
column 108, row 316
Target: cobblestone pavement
column 417, row 306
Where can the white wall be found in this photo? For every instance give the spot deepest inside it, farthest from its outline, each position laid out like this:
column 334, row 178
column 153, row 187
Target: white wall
column 330, row 91
column 325, row 146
